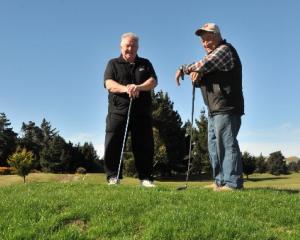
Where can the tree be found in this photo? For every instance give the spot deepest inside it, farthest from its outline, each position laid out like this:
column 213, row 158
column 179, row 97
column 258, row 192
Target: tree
column 128, row 163
column 32, row 139
column 22, row 161
column 47, row 132
column 201, row 162
column 160, row 155
column 294, row 166
column 8, row 140
column 49, row 148
column 248, row 164
column 260, row 163
column 275, row 164
column 53, row 157
column 90, row 160
column 169, row 125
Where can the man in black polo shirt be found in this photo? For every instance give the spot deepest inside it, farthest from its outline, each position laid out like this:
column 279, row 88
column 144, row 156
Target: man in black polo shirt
column 125, row 77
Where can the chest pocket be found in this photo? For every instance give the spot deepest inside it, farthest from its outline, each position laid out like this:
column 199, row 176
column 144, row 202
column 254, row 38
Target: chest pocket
column 141, row 74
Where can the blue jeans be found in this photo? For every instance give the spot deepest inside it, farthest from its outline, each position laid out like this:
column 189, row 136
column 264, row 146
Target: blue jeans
column 224, row 151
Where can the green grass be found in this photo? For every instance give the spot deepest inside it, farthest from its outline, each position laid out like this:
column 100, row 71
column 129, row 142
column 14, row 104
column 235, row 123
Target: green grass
column 69, row 207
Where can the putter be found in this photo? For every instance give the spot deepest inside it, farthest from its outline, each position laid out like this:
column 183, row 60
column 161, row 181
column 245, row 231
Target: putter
column 124, row 140
column 190, row 147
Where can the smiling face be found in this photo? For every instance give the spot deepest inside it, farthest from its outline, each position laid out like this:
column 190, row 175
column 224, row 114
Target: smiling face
column 210, row 41
column 129, row 48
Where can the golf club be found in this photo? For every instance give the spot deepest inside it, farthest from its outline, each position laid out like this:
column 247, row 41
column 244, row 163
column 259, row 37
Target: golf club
column 190, row 147
column 124, row 140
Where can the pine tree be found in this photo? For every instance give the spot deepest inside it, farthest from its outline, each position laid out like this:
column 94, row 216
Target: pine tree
column 169, row 125
column 160, row 155
column 276, row 164
column 33, row 140
column 200, row 155
column 248, row 164
column 90, row 159
column 53, row 157
column 260, row 163
column 8, row 140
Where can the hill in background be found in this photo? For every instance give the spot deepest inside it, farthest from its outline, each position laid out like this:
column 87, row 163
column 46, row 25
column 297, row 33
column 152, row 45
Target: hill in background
column 292, row 159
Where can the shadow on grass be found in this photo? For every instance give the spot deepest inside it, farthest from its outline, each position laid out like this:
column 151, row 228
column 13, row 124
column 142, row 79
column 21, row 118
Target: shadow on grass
column 182, row 178
column 208, row 177
column 263, row 179
column 289, row 191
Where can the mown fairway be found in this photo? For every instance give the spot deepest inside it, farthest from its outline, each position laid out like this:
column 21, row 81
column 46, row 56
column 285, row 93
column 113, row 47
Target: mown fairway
column 67, row 207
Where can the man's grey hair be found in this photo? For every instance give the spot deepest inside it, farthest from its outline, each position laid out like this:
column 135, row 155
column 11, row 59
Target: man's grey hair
column 129, row 35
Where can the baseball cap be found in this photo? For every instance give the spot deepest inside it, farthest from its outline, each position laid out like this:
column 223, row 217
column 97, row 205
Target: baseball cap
column 208, row 27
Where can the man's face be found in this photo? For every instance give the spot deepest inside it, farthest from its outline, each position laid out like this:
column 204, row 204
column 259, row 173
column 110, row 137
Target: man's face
column 129, row 47
column 209, row 41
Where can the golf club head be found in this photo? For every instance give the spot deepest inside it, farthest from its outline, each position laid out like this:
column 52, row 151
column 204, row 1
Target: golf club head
column 182, row 188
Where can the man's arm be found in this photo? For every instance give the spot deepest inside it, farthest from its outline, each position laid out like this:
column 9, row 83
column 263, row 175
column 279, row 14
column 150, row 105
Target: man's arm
column 114, row 87
column 134, row 90
column 148, row 85
column 183, row 69
column 220, row 59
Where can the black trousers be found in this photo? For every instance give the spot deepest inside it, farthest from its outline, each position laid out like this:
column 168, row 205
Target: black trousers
column 141, row 139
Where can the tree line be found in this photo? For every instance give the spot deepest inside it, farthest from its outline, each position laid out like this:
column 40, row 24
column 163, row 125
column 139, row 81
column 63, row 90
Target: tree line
column 51, row 153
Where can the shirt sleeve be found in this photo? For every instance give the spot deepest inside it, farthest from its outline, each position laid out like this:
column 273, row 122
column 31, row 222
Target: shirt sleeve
column 151, row 71
column 220, row 59
column 109, row 72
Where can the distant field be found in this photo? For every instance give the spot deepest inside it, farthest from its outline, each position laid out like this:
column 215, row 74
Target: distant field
column 70, row 207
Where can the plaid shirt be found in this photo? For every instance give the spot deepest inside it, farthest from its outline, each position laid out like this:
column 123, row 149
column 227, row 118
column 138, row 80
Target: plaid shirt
column 220, row 59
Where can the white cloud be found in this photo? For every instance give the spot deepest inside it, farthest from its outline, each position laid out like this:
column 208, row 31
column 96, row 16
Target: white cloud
column 100, row 149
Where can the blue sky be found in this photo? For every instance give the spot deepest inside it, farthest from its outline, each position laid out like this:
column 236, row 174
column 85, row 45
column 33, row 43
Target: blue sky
column 53, row 55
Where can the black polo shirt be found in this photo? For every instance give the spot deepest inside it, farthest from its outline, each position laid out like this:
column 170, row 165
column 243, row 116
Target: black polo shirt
column 126, row 73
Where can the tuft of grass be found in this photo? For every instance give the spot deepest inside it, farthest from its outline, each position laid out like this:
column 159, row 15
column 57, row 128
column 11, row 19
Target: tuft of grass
column 89, row 209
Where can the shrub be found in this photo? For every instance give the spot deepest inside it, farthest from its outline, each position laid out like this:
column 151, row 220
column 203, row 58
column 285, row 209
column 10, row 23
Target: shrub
column 81, row 170
column 22, row 161
column 6, row 170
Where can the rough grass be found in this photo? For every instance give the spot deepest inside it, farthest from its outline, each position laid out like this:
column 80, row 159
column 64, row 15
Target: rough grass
column 53, row 206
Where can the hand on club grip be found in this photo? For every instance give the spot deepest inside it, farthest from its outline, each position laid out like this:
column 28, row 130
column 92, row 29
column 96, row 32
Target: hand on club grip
column 133, row 91
column 195, row 76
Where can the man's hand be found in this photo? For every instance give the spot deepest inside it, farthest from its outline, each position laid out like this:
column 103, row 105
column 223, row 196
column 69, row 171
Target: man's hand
column 178, row 75
column 195, row 76
column 133, row 91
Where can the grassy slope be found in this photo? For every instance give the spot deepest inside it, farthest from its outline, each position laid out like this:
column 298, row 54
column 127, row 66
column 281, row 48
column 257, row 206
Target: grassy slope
column 67, row 207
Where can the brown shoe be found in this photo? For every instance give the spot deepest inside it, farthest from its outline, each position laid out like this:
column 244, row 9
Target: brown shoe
column 213, row 186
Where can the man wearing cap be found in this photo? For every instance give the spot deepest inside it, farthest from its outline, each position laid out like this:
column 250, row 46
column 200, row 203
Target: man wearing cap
column 219, row 75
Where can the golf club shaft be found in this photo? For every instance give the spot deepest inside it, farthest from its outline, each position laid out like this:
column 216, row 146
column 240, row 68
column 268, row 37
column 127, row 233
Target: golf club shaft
column 191, row 136
column 124, row 139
